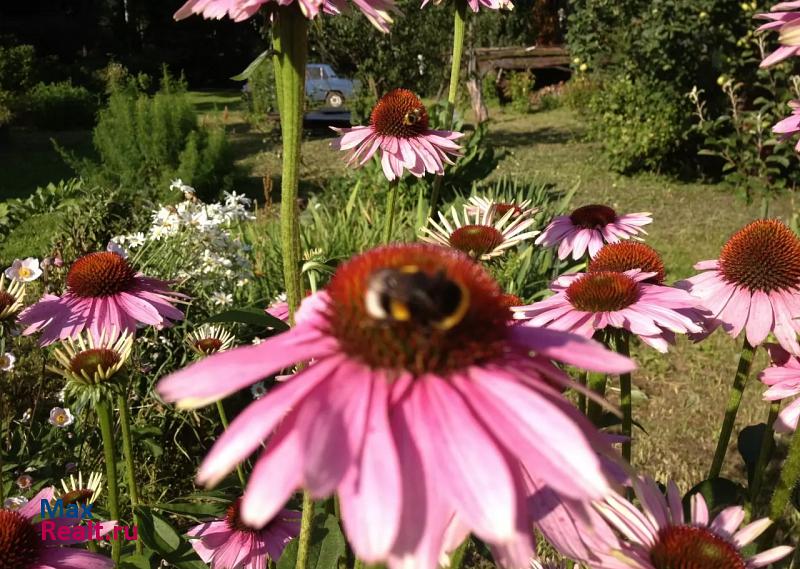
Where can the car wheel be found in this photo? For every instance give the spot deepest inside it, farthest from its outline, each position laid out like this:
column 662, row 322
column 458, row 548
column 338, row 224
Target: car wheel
column 334, row 99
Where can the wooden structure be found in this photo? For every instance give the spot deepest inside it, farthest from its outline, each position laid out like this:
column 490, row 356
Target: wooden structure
column 520, row 58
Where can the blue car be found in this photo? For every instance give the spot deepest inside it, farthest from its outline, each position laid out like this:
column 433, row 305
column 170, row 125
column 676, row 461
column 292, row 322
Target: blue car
column 322, row 85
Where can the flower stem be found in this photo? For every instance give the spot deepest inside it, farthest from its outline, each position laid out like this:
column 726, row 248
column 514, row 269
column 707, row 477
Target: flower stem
column 290, row 44
column 790, row 475
column 223, row 417
column 739, row 383
column 597, row 383
column 304, row 540
column 109, row 451
column 459, row 20
column 765, row 453
column 582, row 379
column 127, row 449
column 391, row 202
column 626, row 400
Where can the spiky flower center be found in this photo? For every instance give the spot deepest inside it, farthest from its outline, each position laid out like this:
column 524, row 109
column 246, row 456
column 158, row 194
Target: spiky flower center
column 593, row 216
column 95, row 360
column 100, row 274
column 503, row 208
column 7, row 300
column 401, row 114
column 603, row 292
column 78, row 496
column 208, row 345
column 626, row 256
column 234, row 518
column 690, row 547
column 417, row 308
column 764, row 255
column 19, row 543
column 476, row 240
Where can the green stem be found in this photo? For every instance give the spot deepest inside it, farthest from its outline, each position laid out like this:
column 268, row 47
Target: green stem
column 223, row 417
column 582, row 379
column 459, row 20
column 739, row 383
column 626, row 400
column 109, row 451
column 790, row 475
column 391, row 201
column 290, row 44
column 127, row 449
column 765, row 453
column 597, row 383
column 304, row 540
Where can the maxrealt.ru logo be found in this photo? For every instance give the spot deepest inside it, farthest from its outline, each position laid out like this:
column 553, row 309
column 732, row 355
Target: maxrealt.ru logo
column 70, row 528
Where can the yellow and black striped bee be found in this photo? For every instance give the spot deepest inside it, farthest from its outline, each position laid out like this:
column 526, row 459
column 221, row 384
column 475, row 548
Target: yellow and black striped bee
column 408, row 294
column 412, row 117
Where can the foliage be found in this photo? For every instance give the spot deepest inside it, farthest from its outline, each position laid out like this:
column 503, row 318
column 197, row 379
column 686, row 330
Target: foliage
column 489, row 90
column 17, row 68
column 61, row 106
column 5, row 108
column 518, row 90
column 260, row 95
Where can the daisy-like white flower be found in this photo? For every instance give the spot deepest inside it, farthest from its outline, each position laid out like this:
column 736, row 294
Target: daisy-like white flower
column 14, row 503
column 24, row 482
column 398, row 127
column 60, row 417
column 24, row 270
column 76, row 492
column 785, row 19
column 587, row 302
column 754, row 285
column 482, row 205
column 479, row 235
column 589, row 227
column 220, row 298
column 209, row 339
column 104, row 294
column 22, row 543
column 114, row 247
column 661, row 537
column 783, row 380
column 378, row 12
column 11, row 297
column 7, row 361
column 231, row 543
column 424, row 402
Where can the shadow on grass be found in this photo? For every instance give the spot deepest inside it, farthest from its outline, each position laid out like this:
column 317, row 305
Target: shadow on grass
column 544, row 135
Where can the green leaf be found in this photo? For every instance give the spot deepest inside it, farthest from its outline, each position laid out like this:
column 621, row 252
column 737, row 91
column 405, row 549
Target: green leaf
column 718, row 492
column 288, row 558
column 749, row 446
column 250, row 69
column 156, row 533
column 327, row 545
column 252, row 316
column 135, row 561
column 193, row 508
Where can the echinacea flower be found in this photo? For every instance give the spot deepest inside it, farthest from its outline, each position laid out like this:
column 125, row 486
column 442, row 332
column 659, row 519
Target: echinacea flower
column 789, row 126
column 24, row 482
column 209, row 339
column 627, row 256
column 231, row 543
column 661, row 537
column 424, row 402
column 24, row 270
column 476, row 5
column 60, row 417
column 589, row 227
column 76, row 492
column 378, row 12
column 479, row 235
column 7, row 361
column 11, row 297
column 754, row 285
column 787, row 23
column 104, row 294
column 587, row 302
column 482, row 205
column 398, row 127
column 22, row 545
column 783, row 380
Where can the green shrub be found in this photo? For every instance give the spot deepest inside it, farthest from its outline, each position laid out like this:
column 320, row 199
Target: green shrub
column 261, row 95
column 5, row 108
column 61, row 106
column 491, row 96
column 519, row 88
column 17, row 68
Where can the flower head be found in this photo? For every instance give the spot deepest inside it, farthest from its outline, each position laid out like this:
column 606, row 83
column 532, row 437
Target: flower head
column 76, row 492
column 754, row 285
column 231, row 543
column 104, row 295
column 783, row 380
column 589, row 227
column 24, row 482
column 7, row 361
column 479, row 235
column 626, row 256
column 24, row 271
column 476, row 5
column 209, row 339
column 60, row 417
column 399, row 129
column 423, row 402
column 786, row 22
column 22, row 545
column 789, row 126
column 479, row 205
column 14, row 503
column 11, row 297
column 661, row 537
column 587, row 302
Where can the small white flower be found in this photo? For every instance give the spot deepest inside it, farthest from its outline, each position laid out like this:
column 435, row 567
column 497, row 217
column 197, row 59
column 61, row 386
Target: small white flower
column 60, row 417
column 7, row 361
column 24, row 271
column 62, row 395
column 26, row 416
column 258, row 390
column 24, row 482
column 221, row 298
column 257, row 341
column 15, row 503
column 118, row 249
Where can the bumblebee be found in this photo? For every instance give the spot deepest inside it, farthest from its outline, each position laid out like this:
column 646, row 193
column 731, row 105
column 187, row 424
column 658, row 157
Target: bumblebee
column 412, row 117
column 408, row 294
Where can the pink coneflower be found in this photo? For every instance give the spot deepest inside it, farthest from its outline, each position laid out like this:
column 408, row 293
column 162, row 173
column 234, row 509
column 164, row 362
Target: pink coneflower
column 104, row 295
column 754, row 285
column 660, row 537
column 476, row 5
column 495, row 208
column 588, row 228
column 398, row 127
column 424, row 402
column 230, row 543
column 789, row 126
column 377, row 11
column 783, row 379
column 587, row 302
column 22, row 544
column 787, row 23
column 627, row 256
